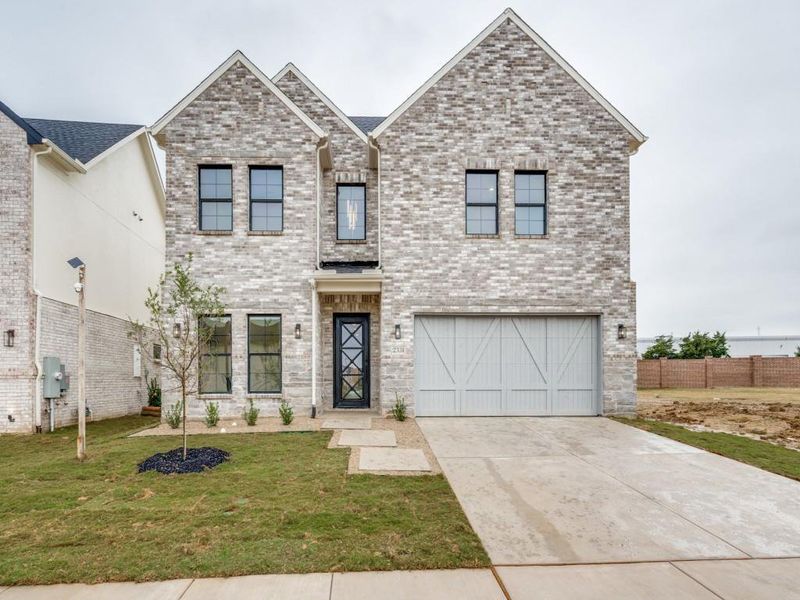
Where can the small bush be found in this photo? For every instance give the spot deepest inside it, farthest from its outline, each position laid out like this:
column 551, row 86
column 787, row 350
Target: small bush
column 399, row 409
column 212, row 414
column 287, row 412
column 250, row 414
column 153, row 392
column 174, row 415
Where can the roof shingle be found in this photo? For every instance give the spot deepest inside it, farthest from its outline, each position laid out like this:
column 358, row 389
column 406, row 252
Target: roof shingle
column 80, row 139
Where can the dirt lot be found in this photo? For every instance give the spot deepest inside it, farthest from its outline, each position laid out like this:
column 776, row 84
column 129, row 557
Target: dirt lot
column 770, row 414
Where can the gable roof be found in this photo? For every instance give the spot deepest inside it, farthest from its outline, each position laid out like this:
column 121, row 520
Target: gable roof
column 291, row 68
column 367, row 124
column 236, row 57
column 82, row 140
column 637, row 137
column 34, row 137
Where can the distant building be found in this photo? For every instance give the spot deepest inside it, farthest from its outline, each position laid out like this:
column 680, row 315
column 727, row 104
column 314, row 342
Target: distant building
column 745, row 345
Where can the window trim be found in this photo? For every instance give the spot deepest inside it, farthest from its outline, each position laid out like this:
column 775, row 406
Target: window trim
column 361, row 185
column 280, row 352
column 496, row 202
column 250, row 170
column 200, row 200
column 544, row 204
column 200, row 356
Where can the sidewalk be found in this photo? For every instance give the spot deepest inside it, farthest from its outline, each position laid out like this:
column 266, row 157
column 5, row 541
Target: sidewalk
column 738, row 579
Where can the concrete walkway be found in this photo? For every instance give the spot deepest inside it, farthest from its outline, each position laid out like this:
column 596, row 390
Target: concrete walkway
column 543, row 491
column 701, row 580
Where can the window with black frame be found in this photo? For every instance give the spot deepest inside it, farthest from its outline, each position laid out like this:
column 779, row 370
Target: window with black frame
column 530, row 202
column 266, row 198
column 351, row 211
column 264, row 353
column 215, row 355
column 481, row 199
column 216, row 198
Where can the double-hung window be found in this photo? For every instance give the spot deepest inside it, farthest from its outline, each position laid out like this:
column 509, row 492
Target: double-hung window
column 264, row 353
column 215, row 355
column 530, row 200
column 216, row 198
column 481, row 198
column 351, row 211
column 266, row 198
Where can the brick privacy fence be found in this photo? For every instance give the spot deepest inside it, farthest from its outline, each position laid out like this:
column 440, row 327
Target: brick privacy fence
column 754, row 371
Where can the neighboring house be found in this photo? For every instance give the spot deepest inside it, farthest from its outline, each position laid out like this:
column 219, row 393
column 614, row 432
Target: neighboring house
column 468, row 253
column 74, row 189
column 744, row 345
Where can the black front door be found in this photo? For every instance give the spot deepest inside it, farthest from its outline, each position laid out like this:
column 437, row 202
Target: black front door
column 351, row 361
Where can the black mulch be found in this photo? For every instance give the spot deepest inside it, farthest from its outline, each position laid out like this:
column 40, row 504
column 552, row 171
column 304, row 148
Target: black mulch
column 197, row 461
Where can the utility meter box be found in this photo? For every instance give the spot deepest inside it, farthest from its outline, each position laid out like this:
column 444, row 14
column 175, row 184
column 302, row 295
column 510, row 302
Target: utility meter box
column 54, row 377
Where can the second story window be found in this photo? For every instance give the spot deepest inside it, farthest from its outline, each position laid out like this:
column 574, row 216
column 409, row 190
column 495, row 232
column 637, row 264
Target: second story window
column 215, row 355
column 266, row 198
column 530, row 203
column 216, row 199
column 481, row 192
column 351, row 212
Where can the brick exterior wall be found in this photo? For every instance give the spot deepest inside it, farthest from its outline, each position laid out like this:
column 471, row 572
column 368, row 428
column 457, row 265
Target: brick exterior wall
column 111, row 388
column 238, row 122
column 349, row 166
column 507, row 105
column 538, row 118
column 17, row 304
column 754, row 371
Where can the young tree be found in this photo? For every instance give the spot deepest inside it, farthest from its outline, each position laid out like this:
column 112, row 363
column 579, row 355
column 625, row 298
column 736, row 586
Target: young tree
column 178, row 307
column 701, row 345
column 662, row 347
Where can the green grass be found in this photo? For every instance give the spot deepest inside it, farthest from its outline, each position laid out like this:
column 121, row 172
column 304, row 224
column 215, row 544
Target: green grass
column 283, row 504
column 777, row 459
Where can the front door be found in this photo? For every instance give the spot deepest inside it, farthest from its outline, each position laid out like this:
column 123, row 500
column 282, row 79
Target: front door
column 351, row 361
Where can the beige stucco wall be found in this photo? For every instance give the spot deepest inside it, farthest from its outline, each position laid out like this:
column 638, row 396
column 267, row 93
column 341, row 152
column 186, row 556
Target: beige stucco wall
column 91, row 216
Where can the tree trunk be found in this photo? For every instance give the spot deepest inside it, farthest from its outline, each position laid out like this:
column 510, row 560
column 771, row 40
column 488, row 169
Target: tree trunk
column 183, row 402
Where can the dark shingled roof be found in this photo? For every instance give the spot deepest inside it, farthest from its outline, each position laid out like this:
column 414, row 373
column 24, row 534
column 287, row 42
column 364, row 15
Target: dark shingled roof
column 82, row 140
column 367, row 124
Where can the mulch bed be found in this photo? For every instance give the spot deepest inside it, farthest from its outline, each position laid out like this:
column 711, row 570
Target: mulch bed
column 197, row 461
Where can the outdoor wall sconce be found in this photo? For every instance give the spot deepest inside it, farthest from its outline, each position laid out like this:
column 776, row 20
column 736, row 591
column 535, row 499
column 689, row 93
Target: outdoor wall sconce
column 297, row 331
column 8, row 339
column 622, row 332
column 397, row 332
column 176, row 330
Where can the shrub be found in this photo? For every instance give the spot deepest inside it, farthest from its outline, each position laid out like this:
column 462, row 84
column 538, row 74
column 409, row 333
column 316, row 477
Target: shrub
column 212, row 414
column 250, row 414
column 153, row 392
column 286, row 412
column 663, row 347
column 174, row 415
column 399, row 408
column 701, row 345
column 797, row 352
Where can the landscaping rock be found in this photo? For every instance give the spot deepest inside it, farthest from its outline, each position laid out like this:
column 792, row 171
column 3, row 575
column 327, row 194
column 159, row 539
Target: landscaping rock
column 197, row 461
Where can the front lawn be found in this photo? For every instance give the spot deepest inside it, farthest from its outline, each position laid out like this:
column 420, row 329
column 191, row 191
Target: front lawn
column 780, row 460
column 283, row 504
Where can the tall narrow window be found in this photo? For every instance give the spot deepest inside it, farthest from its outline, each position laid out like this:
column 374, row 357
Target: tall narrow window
column 351, row 211
column 530, row 199
column 266, row 198
column 215, row 355
column 216, row 199
column 264, row 353
column 481, row 202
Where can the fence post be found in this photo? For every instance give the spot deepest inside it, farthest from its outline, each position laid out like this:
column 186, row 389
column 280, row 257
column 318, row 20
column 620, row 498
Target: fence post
column 709, row 372
column 661, row 363
column 755, row 368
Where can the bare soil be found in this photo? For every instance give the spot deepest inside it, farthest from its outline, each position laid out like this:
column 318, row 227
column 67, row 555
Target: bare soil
column 769, row 414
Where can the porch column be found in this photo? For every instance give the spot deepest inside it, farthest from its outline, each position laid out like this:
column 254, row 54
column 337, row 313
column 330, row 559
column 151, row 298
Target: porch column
column 314, row 342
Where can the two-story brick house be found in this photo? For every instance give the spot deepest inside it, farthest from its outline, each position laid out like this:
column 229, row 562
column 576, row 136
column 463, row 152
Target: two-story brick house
column 469, row 252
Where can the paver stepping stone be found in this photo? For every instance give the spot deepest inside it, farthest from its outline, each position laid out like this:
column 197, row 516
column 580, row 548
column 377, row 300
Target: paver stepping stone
column 367, row 437
column 393, row 459
column 358, row 422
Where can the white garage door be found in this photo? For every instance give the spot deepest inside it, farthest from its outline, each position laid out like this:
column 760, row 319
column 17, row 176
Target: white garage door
column 507, row 365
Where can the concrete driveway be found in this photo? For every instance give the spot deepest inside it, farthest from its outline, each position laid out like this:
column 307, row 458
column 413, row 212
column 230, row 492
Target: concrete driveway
column 544, row 491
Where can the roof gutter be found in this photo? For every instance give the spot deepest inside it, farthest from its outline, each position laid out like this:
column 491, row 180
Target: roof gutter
column 63, row 157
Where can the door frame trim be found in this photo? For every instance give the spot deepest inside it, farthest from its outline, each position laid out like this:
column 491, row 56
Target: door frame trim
column 337, row 360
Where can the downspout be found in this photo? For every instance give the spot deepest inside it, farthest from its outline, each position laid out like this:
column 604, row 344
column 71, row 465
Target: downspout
column 37, row 360
column 320, row 148
column 373, row 144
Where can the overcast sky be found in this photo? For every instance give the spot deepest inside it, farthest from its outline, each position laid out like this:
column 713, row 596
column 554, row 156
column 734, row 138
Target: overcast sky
column 714, row 84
